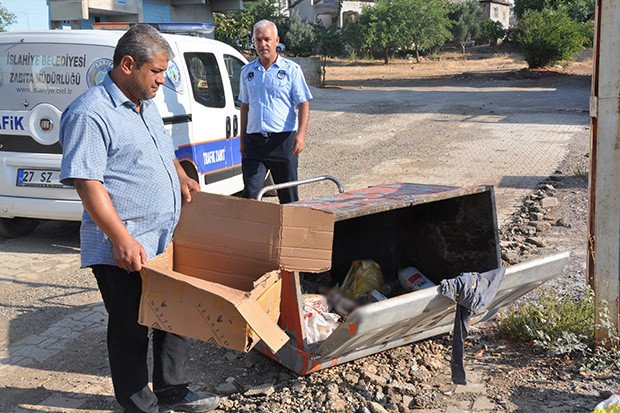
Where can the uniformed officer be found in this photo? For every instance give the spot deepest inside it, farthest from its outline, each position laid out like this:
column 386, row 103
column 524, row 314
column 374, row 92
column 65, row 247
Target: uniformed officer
column 271, row 138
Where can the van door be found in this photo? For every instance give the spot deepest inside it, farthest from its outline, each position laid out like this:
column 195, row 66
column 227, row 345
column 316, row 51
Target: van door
column 210, row 127
column 233, row 70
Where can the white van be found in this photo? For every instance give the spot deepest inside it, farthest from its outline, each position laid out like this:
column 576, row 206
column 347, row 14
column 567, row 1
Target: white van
column 42, row 72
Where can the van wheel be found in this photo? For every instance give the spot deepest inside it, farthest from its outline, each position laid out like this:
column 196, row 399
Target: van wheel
column 17, row 227
column 269, row 182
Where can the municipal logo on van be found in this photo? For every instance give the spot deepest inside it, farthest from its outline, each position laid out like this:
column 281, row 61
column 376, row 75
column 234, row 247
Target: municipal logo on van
column 173, row 74
column 97, row 71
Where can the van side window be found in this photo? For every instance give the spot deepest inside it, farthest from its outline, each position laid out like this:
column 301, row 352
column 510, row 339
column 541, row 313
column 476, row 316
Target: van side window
column 205, row 78
column 233, row 68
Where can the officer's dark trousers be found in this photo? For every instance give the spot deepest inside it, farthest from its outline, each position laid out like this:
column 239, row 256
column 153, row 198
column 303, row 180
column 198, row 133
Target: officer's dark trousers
column 274, row 153
column 128, row 344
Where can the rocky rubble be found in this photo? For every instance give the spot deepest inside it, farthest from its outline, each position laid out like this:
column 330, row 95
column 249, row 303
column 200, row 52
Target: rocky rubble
column 524, row 234
column 394, row 381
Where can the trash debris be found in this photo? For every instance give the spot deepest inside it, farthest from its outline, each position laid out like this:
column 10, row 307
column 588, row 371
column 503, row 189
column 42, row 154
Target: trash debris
column 411, row 279
column 612, row 404
column 340, row 303
column 318, row 321
column 363, row 277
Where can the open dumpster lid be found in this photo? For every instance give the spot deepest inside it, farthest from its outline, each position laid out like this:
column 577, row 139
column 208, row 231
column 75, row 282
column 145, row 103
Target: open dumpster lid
column 386, row 197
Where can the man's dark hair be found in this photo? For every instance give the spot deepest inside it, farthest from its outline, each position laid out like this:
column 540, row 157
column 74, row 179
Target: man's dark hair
column 141, row 42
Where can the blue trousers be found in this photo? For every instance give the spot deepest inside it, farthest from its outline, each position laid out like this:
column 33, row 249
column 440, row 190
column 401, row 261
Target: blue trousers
column 128, row 344
column 274, row 153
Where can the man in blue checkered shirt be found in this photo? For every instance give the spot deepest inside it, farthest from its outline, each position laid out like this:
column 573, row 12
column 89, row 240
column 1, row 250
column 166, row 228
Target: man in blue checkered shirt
column 121, row 161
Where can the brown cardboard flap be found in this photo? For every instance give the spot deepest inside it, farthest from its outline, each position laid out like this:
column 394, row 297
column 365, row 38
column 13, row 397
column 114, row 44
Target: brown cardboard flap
column 267, row 329
column 249, row 237
column 210, row 311
column 307, row 238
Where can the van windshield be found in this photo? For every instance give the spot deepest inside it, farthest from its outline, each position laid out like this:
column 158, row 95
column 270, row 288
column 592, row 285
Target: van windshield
column 206, row 81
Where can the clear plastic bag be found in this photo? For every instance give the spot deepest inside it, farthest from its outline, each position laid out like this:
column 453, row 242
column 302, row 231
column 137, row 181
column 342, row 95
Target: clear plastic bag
column 363, row 277
column 318, row 321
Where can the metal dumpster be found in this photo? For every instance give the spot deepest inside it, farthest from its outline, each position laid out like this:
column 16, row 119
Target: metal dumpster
column 441, row 230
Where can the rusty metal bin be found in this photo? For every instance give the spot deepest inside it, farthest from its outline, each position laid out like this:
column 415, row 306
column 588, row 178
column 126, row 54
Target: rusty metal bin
column 442, row 230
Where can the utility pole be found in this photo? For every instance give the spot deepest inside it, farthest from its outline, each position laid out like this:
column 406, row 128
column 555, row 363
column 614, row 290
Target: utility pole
column 603, row 265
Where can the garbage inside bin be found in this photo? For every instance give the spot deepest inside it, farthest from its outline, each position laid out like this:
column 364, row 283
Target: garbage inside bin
column 363, row 277
column 443, row 231
column 411, row 279
column 318, row 321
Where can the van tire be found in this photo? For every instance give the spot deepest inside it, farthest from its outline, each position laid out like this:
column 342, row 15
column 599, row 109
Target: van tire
column 17, row 227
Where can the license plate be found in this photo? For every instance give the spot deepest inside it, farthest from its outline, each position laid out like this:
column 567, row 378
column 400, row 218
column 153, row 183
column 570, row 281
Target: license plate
column 39, row 177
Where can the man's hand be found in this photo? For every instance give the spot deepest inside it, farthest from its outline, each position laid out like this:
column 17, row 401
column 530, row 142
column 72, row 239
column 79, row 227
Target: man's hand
column 299, row 143
column 187, row 184
column 129, row 254
column 241, row 146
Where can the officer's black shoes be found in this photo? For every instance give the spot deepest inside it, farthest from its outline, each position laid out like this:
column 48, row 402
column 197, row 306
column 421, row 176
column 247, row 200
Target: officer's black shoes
column 193, row 403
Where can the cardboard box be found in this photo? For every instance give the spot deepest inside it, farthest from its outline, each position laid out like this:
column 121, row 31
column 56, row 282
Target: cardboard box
column 219, row 281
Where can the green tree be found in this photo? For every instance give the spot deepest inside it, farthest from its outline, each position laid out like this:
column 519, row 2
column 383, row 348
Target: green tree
column 491, row 31
column 234, row 29
column 6, row 18
column 300, row 36
column 328, row 43
column 424, row 23
column 466, row 21
column 578, row 10
column 381, row 29
column 548, row 36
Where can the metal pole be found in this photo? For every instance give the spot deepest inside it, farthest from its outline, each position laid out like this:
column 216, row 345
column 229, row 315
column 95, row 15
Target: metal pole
column 604, row 206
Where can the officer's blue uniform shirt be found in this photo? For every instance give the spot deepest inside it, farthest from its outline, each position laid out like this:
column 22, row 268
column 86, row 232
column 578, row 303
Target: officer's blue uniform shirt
column 272, row 95
column 104, row 138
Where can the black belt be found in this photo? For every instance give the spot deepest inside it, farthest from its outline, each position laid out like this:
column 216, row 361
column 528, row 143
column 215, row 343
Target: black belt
column 268, row 134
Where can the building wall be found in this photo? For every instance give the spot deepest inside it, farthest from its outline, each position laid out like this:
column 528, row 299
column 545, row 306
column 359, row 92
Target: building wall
column 31, row 14
column 58, row 14
column 155, row 12
column 496, row 12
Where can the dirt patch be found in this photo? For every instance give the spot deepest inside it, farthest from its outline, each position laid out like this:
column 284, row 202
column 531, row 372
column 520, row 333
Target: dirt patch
column 480, row 62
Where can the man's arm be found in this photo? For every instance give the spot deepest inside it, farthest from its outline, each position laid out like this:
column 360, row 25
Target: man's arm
column 243, row 124
column 299, row 143
column 187, row 184
column 129, row 254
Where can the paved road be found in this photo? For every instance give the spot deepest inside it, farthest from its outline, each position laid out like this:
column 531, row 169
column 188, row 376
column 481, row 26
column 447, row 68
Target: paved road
column 509, row 134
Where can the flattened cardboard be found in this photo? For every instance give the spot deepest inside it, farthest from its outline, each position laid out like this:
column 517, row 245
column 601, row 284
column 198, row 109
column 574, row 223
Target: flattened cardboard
column 219, row 281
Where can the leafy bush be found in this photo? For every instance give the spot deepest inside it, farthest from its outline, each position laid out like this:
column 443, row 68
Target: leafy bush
column 563, row 326
column 300, row 36
column 587, row 32
column 491, row 31
column 546, row 318
column 466, row 21
column 578, row 10
column 546, row 37
column 328, row 43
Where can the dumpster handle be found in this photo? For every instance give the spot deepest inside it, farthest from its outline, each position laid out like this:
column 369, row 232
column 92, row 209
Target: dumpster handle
column 296, row 183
